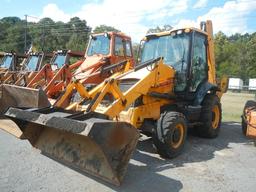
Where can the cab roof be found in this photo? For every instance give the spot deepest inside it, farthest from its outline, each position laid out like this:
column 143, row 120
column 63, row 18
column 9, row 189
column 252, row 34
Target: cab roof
column 113, row 33
column 164, row 33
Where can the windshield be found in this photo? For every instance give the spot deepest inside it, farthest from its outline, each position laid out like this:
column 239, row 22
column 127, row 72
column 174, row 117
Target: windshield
column 32, row 62
column 59, row 60
column 7, row 61
column 99, row 45
column 174, row 48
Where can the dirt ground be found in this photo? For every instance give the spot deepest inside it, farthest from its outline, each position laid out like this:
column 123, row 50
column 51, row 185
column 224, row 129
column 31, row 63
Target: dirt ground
column 227, row 163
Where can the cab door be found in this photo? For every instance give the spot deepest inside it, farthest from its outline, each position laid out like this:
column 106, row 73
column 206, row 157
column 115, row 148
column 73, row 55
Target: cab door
column 199, row 65
column 122, row 49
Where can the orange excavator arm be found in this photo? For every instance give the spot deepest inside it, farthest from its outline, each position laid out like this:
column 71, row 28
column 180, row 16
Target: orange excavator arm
column 45, row 73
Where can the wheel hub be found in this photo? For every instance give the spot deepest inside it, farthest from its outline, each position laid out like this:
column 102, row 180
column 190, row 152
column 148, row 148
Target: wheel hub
column 215, row 116
column 177, row 136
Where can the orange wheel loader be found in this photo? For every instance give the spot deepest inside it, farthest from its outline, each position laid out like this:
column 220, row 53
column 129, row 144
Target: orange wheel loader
column 10, row 62
column 28, row 68
column 60, row 59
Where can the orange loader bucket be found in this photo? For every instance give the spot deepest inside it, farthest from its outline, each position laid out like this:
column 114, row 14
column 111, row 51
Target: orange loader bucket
column 16, row 96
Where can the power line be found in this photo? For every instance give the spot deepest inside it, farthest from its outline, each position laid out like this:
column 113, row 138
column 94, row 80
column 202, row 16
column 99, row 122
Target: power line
column 25, row 35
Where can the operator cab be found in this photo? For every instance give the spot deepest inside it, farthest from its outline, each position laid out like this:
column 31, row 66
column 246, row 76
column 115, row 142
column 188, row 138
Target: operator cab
column 33, row 62
column 59, row 59
column 62, row 57
column 11, row 60
column 111, row 45
column 175, row 47
column 7, row 61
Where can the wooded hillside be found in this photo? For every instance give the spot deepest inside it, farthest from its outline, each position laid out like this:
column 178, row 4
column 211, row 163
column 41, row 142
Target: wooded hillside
column 235, row 55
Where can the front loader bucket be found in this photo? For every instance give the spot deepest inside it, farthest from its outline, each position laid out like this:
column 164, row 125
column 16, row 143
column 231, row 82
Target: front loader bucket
column 15, row 96
column 87, row 142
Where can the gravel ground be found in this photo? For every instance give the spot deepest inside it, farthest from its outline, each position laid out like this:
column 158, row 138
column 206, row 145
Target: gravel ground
column 227, row 163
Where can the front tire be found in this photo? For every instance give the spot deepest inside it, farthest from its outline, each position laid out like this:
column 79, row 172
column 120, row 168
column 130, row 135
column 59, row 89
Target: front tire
column 210, row 117
column 170, row 134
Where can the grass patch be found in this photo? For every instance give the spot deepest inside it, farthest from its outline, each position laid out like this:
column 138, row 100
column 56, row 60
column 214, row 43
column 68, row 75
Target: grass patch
column 233, row 104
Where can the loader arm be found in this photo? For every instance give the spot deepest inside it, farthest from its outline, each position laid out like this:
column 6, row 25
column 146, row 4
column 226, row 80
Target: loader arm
column 45, row 73
column 24, row 78
column 78, row 85
column 64, row 73
column 159, row 74
column 149, row 80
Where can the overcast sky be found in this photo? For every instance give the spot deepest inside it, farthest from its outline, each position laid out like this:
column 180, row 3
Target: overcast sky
column 134, row 17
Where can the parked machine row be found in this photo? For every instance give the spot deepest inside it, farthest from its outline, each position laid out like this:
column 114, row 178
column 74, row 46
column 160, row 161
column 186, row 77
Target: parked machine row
column 91, row 116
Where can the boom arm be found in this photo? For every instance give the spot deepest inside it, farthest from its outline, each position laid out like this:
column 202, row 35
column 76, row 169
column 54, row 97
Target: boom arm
column 153, row 79
column 210, row 51
column 149, row 79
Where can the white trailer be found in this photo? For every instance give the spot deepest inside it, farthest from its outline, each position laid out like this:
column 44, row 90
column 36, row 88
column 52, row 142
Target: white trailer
column 235, row 84
column 252, row 84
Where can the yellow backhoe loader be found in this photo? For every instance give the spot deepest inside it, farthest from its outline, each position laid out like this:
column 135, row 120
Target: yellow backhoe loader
column 173, row 88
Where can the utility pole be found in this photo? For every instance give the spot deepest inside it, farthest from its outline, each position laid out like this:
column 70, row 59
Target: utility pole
column 25, row 35
column 43, row 39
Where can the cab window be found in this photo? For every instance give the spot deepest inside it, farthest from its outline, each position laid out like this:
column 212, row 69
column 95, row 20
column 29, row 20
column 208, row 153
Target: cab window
column 174, row 48
column 128, row 48
column 119, row 46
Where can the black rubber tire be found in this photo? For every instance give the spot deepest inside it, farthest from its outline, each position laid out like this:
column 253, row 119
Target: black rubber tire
column 206, row 128
column 248, row 104
column 164, row 133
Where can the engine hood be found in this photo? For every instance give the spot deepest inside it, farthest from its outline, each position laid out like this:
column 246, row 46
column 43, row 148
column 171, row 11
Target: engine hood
column 90, row 65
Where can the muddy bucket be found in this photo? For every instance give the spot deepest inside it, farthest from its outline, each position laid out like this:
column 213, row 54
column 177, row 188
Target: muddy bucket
column 16, row 96
column 88, row 142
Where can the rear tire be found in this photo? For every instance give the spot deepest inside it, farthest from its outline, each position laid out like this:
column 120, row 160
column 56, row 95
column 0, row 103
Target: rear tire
column 170, row 134
column 210, row 117
column 248, row 104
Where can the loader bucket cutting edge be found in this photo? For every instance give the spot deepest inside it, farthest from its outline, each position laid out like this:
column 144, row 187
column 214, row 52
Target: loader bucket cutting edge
column 96, row 146
column 16, row 96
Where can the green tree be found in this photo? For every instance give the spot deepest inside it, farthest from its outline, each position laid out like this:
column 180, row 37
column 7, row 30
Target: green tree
column 105, row 28
column 251, row 46
column 136, row 49
column 79, row 34
column 12, row 34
